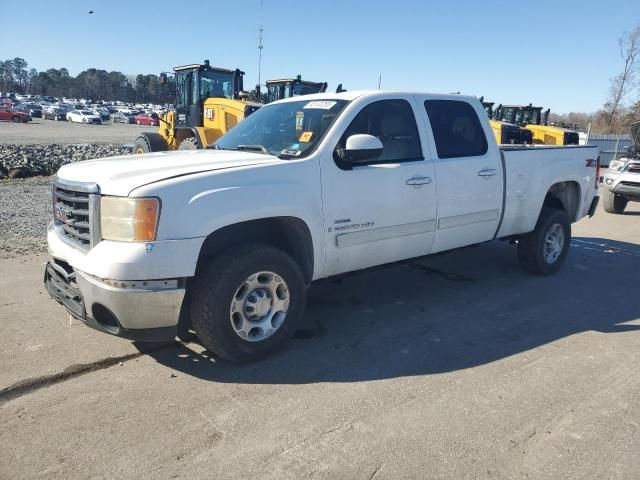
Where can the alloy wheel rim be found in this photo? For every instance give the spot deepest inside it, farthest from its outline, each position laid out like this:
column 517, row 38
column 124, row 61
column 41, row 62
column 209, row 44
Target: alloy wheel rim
column 259, row 306
column 553, row 243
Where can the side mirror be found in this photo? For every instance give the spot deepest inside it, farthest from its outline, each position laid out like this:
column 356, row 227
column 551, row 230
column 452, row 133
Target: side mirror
column 360, row 148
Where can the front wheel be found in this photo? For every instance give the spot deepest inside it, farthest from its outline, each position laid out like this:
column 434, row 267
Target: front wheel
column 247, row 302
column 15, row 119
column 544, row 250
column 613, row 203
column 84, row 120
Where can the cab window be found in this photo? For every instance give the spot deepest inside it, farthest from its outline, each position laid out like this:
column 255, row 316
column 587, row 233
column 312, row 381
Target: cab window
column 393, row 122
column 457, row 131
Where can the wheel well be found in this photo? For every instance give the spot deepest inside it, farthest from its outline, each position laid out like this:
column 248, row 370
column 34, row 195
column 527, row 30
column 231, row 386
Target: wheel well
column 289, row 234
column 564, row 196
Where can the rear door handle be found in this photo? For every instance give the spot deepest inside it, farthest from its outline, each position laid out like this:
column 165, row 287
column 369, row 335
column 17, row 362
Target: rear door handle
column 487, row 172
column 418, row 181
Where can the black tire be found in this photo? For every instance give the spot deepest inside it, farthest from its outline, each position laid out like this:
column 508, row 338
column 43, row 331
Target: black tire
column 15, row 119
column 613, row 203
column 84, row 120
column 137, row 122
column 190, row 143
column 531, row 247
column 149, row 142
column 213, row 291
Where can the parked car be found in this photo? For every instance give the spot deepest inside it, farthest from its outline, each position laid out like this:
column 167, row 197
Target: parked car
column 370, row 178
column 102, row 113
column 83, row 116
column 9, row 114
column 119, row 117
column 54, row 113
column 33, row 109
column 622, row 181
column 147, row 119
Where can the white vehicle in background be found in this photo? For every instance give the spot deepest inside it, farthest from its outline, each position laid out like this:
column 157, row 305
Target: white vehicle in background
column 622, row 181
column 226, row 240
column 84, row 116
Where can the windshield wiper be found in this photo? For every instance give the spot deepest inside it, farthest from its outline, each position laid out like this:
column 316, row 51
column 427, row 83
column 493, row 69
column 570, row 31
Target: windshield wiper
column 253, row 148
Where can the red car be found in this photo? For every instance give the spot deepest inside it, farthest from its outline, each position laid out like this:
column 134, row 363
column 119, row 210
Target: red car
column 144, row 119
column 14, row 115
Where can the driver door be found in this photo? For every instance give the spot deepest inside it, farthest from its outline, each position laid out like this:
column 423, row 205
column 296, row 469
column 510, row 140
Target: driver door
column 382, row 210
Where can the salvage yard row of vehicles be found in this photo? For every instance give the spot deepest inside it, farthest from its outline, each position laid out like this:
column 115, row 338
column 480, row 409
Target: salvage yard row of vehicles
column 75, row 111
column 225, row 241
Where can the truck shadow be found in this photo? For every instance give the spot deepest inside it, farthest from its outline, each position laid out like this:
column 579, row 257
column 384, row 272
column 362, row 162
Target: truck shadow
column 440, row 314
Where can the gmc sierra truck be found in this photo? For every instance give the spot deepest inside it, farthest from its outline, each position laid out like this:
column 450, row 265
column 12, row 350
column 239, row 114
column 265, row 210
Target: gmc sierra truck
column 226, row 240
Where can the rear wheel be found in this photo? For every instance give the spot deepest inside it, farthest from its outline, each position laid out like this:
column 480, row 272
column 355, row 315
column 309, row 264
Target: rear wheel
column 190, row 143
column 544, row 250
column 84, row 120
column 247, row 302
column 137, row 122
column 15, row 119
column 613, row 203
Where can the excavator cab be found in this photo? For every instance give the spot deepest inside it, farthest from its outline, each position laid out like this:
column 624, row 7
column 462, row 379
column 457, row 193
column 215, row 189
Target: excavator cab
column 291, row 87
column 209, row 102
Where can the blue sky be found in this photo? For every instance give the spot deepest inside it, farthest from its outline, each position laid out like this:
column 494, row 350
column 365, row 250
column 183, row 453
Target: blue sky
column 558, row 54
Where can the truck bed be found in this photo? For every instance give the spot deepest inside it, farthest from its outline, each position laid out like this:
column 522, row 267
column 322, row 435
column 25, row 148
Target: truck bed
column 526, row 179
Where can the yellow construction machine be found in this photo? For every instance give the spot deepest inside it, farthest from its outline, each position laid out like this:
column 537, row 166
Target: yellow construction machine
column 505, row 132
column 289, row 87
column 209, row 102
column 534, row 119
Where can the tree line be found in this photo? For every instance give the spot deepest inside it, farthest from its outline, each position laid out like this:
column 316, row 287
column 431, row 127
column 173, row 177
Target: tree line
column 93, row 83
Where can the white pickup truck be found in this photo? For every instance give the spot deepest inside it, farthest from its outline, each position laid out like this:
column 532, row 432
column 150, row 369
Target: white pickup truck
column 226, row 240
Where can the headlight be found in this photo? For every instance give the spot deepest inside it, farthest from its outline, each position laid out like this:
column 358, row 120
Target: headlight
column 616, row 165
column 129, row 219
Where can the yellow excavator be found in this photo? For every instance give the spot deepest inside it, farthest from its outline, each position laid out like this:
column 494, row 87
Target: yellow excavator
column 534, row 119
column 506, row 133
column 209, row 102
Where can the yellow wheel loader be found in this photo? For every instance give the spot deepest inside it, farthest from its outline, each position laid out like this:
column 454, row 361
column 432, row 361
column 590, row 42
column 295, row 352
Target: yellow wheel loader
column 289, row 87
column 534, row 119
column 209, row 102
column 506, row 133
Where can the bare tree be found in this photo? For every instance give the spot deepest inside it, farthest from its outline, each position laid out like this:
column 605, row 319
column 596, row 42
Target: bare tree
column 624, row 82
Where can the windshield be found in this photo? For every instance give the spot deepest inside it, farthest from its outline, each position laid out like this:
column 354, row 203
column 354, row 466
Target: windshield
column 216, row 84
column 287, row 130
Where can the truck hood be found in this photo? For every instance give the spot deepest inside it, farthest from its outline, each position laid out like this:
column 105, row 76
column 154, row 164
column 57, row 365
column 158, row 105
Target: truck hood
column 123, row 174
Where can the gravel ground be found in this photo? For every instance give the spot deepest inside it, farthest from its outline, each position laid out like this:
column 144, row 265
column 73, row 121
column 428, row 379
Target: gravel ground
column 49, row 131
column 25, row 211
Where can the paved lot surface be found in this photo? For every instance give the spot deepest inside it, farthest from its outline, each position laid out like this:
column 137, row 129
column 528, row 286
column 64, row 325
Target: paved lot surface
column 459, row 366
column 50, row 131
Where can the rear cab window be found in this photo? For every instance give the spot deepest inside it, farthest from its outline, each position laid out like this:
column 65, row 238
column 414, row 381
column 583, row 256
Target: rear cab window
column 457, row 130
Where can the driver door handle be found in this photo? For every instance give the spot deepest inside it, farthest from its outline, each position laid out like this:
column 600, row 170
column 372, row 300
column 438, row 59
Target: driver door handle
column 413, row 181
column 487, row 172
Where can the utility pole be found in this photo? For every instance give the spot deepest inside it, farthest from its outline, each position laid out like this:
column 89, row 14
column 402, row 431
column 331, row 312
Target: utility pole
column 379, row 81
column 260, row 46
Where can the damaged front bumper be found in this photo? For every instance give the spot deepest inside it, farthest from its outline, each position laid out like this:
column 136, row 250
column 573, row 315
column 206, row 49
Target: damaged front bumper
column 146, row 311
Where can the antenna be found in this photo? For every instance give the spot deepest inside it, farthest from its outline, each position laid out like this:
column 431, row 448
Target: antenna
column 260, row 46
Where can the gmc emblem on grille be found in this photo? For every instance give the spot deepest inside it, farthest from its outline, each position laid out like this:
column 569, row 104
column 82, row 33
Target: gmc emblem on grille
column 62, row 214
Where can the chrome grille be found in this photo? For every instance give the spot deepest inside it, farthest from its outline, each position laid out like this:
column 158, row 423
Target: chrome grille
column 633, row 168
column 75, row 213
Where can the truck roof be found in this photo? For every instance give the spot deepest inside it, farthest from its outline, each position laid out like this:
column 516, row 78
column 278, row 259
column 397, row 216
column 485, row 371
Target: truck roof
column 353, row 94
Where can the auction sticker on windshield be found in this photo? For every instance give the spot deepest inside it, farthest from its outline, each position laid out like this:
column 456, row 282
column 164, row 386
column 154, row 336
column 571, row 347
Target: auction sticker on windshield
column 321, row 104
column 306, row 137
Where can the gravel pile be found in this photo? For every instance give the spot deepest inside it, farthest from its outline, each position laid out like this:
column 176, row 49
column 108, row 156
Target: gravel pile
column 25, row 211
column 20, row 161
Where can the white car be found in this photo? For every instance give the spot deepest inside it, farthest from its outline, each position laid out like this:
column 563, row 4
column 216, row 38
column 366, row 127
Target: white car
column 621, row 183
column 227, row 240
column 84, row 116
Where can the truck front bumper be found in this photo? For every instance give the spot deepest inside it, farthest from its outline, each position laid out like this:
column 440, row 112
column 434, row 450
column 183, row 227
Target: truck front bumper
column 624, row 183
column 146, row 311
